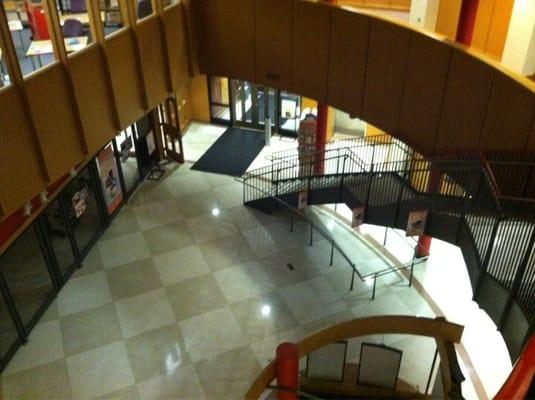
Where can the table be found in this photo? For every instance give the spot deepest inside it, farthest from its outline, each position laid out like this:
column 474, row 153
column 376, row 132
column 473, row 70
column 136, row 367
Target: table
column 39, row 47
column 82, row 17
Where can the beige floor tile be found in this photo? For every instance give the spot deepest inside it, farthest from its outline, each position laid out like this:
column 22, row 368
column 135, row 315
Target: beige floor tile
column 49, row 381
column 144, row 312
column 244, row 281
column 123, row 249
column 83, row 293
column 128, row 393
column 265, row 349
column 132, row 279
column 90, row 329
column 312, row 299
column 210, row 227
column 44, row 346
column 113, row 372
column 51, row 313
column 230, row 195
column 195, row 296
column 218, row 180
column 167, row 238
column 212, row 333
column 148, row 193
column 183, row 383
column 157, row 352
column 263, row 316
column 198, row 204
column 124, row 223
column 221, row 382
column 92, row 263
column 226, row 252
column 157, row 214
column 184, row 185
column 179, row 265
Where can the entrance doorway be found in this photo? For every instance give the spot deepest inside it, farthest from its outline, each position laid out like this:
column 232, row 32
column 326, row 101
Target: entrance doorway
column 245, row 104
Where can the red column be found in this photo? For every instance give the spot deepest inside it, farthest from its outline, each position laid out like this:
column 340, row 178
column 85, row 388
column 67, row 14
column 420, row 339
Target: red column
column 321, row 130
column 433, row 185
column 467, row 22
column 287, row 371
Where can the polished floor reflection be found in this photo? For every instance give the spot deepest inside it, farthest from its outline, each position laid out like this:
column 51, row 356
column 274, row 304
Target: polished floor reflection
column 187, row 295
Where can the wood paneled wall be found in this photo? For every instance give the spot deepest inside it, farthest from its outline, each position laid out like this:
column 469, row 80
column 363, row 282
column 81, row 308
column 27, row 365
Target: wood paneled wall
column 59, row 129
column 429, row 92
column 449, row 12
column 492, row 25
column 385, row 4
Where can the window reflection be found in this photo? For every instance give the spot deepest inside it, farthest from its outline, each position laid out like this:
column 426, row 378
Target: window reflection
column 27, row 276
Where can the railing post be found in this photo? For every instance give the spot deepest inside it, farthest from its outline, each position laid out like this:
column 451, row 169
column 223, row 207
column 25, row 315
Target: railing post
column 352, row 284
column 332, row 254
column 374, row 285
column 311, row 231
column 484, row 265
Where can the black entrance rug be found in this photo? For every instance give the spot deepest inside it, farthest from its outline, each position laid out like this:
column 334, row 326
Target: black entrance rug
column 232, row 153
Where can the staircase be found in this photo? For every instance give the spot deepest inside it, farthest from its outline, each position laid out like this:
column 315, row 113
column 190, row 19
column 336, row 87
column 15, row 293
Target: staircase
column 466, row 207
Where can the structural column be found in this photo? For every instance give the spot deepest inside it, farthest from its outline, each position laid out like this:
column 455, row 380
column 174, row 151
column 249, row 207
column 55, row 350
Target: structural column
column 433, row 185
column 321, row 127
column 287, row 371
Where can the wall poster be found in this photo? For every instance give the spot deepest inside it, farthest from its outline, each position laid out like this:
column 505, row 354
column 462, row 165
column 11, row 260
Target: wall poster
column 416, row 223
column 358, row 217
column 78, row 201
column 109, row 179
column 302, row 200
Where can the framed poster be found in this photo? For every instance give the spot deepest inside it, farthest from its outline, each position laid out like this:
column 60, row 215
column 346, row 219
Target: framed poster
column 78, row 201
column 358, row 217
column 302, row 200
column 416, row 223
column 109, row 179
column 328, row 362
column 151, row 145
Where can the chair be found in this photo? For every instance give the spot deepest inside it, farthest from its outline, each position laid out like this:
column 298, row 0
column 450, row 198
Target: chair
column 144, row 9
column 72, row 28
column 78, row 6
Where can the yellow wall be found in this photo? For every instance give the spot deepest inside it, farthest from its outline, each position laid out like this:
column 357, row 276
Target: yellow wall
column 198, row 99
column 491, row 27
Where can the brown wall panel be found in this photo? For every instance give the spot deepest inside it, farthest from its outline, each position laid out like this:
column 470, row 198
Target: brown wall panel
column 401, row 4
column 53, row 113
column 274, row 46
column 238, row 54
column 385, row 74
column 311, row 41
column 509, row 115
column 210, row 38
column 20, row 177
column 125, row 78
column 482, row 24
column 153, row 61
column 347, row 68
column 177, row 46
column 427, row 72
column 465, row 103
column 531, row 140
column 94, row 98
column 499, row 28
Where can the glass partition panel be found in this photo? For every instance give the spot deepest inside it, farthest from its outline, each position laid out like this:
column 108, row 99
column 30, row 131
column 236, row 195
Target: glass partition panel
column 27, row 275
column 144, row 8
column 219, row 98
column 111, row 15
column 83, row 211
column 30, row 35
column 127, row 156
column 8, row 330
column 290, row 113
column 58, row 236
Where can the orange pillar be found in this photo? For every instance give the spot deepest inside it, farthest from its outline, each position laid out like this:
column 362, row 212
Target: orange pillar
column 433, row 185
column 287, row 366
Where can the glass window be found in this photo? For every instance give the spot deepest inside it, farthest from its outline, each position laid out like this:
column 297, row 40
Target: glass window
column 128, row 158
column 82, row 210
column 144, row 8
column 74, row 20
column 27, row 276
column 29, row 32
column 111, row 15
column 8, row 330
column 290, row 112
column 58, row 236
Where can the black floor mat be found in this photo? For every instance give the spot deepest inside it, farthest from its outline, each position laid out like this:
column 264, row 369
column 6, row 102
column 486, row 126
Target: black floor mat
column 232, row 153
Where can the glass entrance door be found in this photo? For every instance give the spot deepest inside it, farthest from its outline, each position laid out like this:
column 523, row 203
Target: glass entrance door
column 252, row 104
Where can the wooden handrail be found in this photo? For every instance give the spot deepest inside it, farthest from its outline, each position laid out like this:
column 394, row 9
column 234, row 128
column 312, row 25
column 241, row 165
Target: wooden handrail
column 438, row 328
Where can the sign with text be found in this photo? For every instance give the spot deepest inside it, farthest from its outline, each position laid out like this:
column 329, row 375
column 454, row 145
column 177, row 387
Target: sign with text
column 302, row 200
column 358, row 217
column 109, row 178
column 416, row 223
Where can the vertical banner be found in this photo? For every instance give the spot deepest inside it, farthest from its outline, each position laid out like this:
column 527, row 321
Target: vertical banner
column 302, row 200
column 358, row 217
column 109, row 179
column 416, row 223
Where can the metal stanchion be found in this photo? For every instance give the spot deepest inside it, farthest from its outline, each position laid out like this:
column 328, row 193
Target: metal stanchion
column 332, row 254
column 311, row 231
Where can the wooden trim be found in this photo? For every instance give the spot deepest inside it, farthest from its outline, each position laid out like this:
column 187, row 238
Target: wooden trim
column 438, row 328
column 158, row 7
